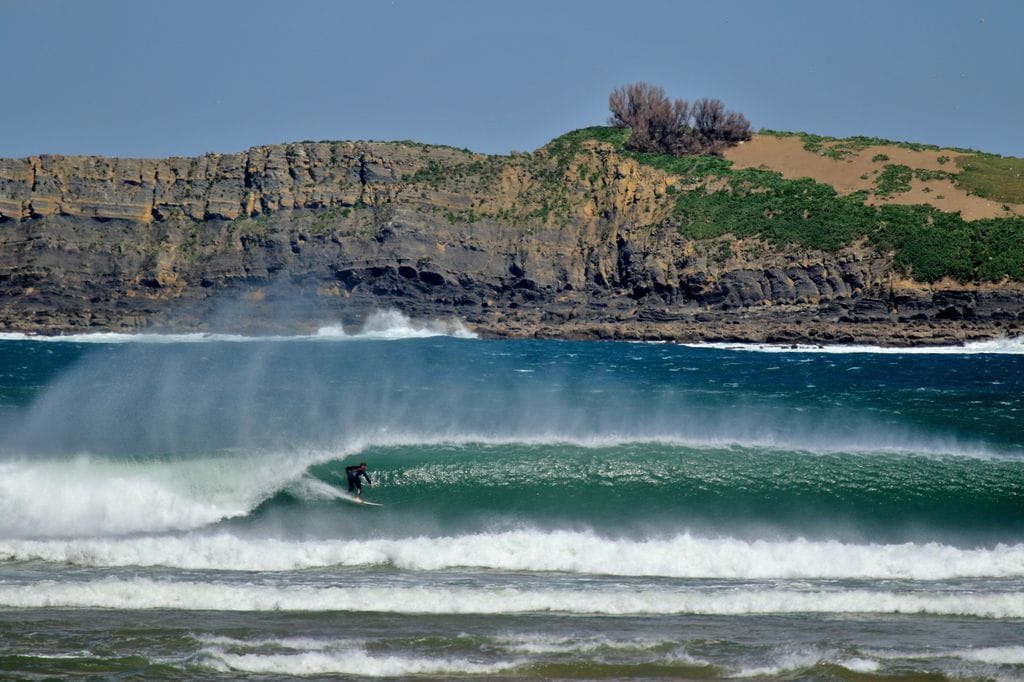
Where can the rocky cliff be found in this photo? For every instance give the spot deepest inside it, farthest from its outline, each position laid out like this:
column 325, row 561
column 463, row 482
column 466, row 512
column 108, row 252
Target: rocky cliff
column 575, row 243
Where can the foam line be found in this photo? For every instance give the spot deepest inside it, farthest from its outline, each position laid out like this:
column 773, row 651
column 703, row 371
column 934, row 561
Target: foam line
column 343, row 662
column 684, row 556
column 1002, row 346
column 142, row 593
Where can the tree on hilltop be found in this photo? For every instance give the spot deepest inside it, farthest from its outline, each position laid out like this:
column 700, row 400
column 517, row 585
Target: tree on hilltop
column 646, row 110
column 664, row 126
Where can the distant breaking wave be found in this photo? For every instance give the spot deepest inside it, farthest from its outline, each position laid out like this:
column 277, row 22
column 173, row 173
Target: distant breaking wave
column 381, row 324
column 1004, row 346
column 393, row 325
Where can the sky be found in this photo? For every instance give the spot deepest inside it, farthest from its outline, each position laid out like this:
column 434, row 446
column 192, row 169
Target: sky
column 180, row 78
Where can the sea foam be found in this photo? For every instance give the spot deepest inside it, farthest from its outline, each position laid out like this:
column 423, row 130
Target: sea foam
column 343, row 662
column 1001, row 346
column 684, row 556
column 87, row 496
column 145, row 593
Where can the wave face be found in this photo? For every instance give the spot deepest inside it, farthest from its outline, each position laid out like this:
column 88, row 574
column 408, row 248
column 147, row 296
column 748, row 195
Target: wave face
column 653, row 490
column 785, row 508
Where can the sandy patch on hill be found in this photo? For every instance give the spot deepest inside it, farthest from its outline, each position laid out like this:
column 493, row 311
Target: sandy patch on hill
column 943, row 195
column 858, row 172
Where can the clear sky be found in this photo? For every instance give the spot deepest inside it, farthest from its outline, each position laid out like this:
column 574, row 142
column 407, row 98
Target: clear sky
column 181, row 77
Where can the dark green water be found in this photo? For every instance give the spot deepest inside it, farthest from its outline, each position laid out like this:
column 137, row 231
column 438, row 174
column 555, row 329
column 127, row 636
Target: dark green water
column 550, row 510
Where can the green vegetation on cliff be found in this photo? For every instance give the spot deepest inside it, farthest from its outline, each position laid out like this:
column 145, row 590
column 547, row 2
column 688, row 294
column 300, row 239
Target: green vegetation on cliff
column 927, row 244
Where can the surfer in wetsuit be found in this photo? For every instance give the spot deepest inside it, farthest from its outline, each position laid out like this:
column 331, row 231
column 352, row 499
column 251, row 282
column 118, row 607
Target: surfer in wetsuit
column 354, row 472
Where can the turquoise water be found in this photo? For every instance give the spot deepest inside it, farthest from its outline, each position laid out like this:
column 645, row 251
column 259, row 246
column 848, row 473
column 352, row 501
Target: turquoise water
column 173, row 506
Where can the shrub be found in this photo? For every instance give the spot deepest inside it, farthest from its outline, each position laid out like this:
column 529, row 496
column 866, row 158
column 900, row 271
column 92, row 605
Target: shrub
column 654, row 119
column 660, row 125
column 894, row 178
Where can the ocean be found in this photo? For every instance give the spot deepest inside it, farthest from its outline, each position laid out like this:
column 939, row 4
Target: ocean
column 174, row 506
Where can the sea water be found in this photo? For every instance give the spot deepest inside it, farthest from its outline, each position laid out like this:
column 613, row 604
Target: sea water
column 170, row 506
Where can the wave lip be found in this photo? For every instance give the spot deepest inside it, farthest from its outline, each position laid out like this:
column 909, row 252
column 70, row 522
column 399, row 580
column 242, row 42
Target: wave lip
column 88, row 496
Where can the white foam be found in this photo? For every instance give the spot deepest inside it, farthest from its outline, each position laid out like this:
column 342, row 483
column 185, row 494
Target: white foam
column 1002, row 346
column 1008, row 655
column 143, row 593
column 385, row 324
column 683, row 556
column 860, row 665
column 292, row 643
column 547, row 644
column 343, row 662
column 95, row 496
column 391, row 324
column 994, row 655
column 795, row 661
column 142, row 337
column 787, row 662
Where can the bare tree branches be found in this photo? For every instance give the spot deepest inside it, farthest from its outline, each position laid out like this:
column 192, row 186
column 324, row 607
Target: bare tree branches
column 664, row 126
column 649, row 113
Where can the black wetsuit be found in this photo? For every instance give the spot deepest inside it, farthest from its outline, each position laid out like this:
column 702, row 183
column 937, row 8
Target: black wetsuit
column 354, row 484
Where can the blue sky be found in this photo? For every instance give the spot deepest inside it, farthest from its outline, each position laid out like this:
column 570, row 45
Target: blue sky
column 152, row 79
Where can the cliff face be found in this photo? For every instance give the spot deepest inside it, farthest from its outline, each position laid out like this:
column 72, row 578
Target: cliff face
column 211, row 187
column 301, row 235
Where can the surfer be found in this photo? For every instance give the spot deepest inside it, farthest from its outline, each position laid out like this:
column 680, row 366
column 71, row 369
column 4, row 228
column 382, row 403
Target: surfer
column 354, row 472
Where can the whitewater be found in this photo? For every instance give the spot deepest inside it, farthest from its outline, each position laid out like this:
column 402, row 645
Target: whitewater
column 173, row 505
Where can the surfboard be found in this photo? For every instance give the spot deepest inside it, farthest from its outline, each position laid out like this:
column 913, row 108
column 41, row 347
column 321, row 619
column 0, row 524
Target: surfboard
column 356, row 500
column 331, row 491
column 348, row 497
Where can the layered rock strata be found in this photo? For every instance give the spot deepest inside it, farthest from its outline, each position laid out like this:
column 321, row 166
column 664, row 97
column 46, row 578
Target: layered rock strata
column 297, row 236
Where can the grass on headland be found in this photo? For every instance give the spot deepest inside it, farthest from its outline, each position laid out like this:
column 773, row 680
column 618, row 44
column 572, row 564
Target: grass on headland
column 999, row 178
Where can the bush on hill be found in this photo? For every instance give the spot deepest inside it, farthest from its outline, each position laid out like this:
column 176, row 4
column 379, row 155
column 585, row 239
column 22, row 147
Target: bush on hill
column 663, row 126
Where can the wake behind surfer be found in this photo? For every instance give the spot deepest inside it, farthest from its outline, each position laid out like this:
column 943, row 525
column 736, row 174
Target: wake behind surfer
column 355, row 473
